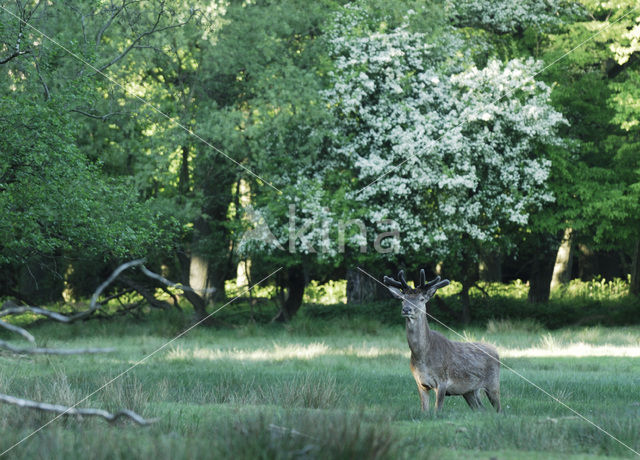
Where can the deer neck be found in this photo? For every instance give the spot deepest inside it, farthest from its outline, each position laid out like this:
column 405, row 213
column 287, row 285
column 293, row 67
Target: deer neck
column 418, row 336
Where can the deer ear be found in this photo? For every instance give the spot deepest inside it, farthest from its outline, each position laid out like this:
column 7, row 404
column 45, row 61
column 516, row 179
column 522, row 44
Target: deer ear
column 397, row 293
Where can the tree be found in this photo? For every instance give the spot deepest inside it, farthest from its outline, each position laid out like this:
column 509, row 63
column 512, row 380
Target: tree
column 453, row 153
column 54, row 201
column 592, row 185
column 263, row 84
column 62, row 205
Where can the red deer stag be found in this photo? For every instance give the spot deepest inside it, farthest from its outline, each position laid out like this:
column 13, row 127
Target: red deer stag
column 437, row 363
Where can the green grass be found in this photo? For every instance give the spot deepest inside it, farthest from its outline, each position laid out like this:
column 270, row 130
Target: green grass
column 318, row 389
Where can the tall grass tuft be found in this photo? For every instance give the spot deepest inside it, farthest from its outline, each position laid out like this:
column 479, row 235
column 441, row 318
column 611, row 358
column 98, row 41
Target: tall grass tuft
column 311, row 391
column 126, row 392
column 306, row 435
column 501, row 326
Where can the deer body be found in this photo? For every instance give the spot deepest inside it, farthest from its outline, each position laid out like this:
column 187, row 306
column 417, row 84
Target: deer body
column 437, row 363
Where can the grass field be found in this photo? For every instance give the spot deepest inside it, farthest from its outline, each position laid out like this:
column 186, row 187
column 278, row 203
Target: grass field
column 322, row 389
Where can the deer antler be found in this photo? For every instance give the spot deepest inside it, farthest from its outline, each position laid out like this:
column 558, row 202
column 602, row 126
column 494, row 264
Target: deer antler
column 402, row 284
column 403, row 280
column 437, row 284
column 387, row 280
column 423, row 280
column 433, row 284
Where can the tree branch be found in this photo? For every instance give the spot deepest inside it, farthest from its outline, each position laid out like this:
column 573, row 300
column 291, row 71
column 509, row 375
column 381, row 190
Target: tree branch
column 154, row 29
column 97, row 117
column 94, row 304
column 47, row 94
column 53, row 351
column 166, row 282
column 64, row 410
column 106, row 25
column 35, row 310
column 18, row 330
column 148, row 296
column 13, row 56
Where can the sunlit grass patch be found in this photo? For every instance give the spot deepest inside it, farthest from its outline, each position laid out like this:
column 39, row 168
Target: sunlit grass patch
column 275, row 352
column 577, row 350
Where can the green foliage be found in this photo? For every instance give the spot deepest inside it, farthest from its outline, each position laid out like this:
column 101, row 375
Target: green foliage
column 594, row 187
column 331, row 292
column 319, row 99
column 54, row 200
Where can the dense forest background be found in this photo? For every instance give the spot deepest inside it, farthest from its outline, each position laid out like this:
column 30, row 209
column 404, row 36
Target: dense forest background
column 487, row 140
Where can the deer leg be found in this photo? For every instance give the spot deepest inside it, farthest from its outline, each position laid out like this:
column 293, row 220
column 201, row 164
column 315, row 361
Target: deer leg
column 476, row 395
column 441, row 392
column 471, row 400
column 494, row 398
column 424, row 397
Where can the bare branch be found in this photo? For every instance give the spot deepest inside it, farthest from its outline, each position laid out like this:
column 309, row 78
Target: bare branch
column 176, row 303
column 94, row 304
column 154, row 30
column 18, row 330
column 64, row 410
column 26, row 17
column 47, row 94
column 106, row 25
column 481, row 289
column 53, row 351
column 144, row 292
column 36, row 310
column 13, row 56
column 97, row 117
column 166, row 282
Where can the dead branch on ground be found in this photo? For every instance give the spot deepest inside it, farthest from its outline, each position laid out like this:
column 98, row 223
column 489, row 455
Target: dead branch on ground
column 52, row 351
column 82, row 412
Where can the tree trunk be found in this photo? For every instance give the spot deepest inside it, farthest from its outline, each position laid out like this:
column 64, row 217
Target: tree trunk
column 490, row 268
column 361, row 288
column 198, row 303
column 39, row 281
column 587, row 262
column 295, row 283
column 469, row 278
column 184, row 179
column 634, row 286
column 466, row 302
column 564, row 261
column 540, row 277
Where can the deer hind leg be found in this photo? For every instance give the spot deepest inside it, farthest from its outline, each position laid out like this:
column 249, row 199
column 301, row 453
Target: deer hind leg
column 441, row 392
column 472, row 400
column 494, row 398
column 478, row 400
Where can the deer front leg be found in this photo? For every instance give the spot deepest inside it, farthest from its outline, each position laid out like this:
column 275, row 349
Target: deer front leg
column 424, row 398
column 423, row 390
column 441, row 392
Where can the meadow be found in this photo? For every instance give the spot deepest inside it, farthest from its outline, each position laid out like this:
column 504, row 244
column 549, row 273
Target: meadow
column 333, row 388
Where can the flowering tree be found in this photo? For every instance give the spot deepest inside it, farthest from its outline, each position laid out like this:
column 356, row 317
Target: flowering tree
column 504, row 16
column 453, row 153
column 420, row 140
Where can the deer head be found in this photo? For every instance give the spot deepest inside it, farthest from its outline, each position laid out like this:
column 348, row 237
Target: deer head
column 414, row 300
